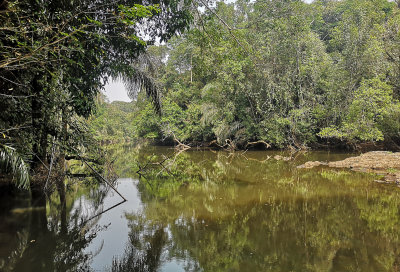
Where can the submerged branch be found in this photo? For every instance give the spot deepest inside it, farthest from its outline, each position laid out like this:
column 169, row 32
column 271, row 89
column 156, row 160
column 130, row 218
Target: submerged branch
column 106, row 181
column 79, row 158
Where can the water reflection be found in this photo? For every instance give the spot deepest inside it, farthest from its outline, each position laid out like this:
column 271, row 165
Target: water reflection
column 49, row 234
column 214, row 211
column 256, row 214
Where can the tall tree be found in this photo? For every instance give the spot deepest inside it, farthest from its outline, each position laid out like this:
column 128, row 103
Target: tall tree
column 57, row 55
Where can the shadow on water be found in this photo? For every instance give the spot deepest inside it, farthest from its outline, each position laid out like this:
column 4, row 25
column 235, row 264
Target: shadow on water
column 49, row 234
column 211, row 211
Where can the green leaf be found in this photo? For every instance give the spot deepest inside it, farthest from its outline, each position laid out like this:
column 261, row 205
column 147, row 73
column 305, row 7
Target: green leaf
column 12, row 162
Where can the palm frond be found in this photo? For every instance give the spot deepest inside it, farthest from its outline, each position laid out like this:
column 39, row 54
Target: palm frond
column 141, row 78
column 12, row 162
column 209, row 113
column 139, row 81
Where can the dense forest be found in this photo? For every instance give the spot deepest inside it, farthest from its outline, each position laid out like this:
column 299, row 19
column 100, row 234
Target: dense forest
column 315, row 82
column 286, row 73
column 269, row 73
column 55, row 58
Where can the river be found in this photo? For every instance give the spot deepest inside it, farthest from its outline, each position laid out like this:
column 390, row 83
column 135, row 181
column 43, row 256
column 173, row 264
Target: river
column 208, row 211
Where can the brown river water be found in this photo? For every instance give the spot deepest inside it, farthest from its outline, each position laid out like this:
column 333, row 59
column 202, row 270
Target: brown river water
column 208, row 211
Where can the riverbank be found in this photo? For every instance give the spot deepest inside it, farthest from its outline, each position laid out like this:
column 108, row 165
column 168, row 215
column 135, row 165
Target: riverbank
column 230, row 145
column 383, row 163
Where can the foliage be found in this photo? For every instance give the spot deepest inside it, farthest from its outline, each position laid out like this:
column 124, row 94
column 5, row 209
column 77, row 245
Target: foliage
column 373, row 104
column 11, row 161
column 285, row 72
column 57, row 56
column 109, row 123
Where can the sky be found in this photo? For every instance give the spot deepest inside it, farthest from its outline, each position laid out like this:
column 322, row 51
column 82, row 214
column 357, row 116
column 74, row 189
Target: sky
column 115, row 91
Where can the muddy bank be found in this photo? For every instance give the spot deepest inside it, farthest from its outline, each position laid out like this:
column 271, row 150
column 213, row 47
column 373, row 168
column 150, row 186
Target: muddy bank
column 379, row 162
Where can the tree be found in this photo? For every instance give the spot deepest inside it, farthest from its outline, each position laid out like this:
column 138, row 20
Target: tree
column 279, row 71
column 372, row 109
column 58, row 55
column 11, row 162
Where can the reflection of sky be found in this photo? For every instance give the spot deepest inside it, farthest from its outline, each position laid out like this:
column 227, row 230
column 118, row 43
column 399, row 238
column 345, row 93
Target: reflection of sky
column 114, row 240
column 115, row 237
column 172, row 266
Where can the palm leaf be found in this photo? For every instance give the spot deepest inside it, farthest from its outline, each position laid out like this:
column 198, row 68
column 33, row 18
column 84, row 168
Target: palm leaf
column 12, row 162
column 140, row 80
column 141, row 77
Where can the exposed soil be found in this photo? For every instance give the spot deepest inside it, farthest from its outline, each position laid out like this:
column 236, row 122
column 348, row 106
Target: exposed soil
column 380, row 162
column 312, row 164
column 281, row 158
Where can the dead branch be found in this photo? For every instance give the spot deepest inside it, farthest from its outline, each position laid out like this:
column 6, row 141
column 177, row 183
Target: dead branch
column 230, row 145
column 180, row 145
column 267, row 145
column 214, row 143
column 106, row 181
column 104, row 211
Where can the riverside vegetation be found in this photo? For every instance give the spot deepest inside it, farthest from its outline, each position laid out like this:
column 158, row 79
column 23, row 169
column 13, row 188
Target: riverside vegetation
column 279, row 73
column 215, row 211
column 55, row 58
column 283, row 72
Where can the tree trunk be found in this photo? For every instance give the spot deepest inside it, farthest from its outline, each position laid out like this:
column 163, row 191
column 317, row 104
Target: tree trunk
column 62, row 170
column 39, row 121
column 36, row 116
column 63, row 203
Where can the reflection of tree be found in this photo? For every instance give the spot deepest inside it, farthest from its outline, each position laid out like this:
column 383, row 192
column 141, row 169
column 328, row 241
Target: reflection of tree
column 123, row 157
column 300, row 235
column 381, row 214
column 265, row 215
column 58, row 232
column 145, row 248
column 14, row 227
column 223, row 212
